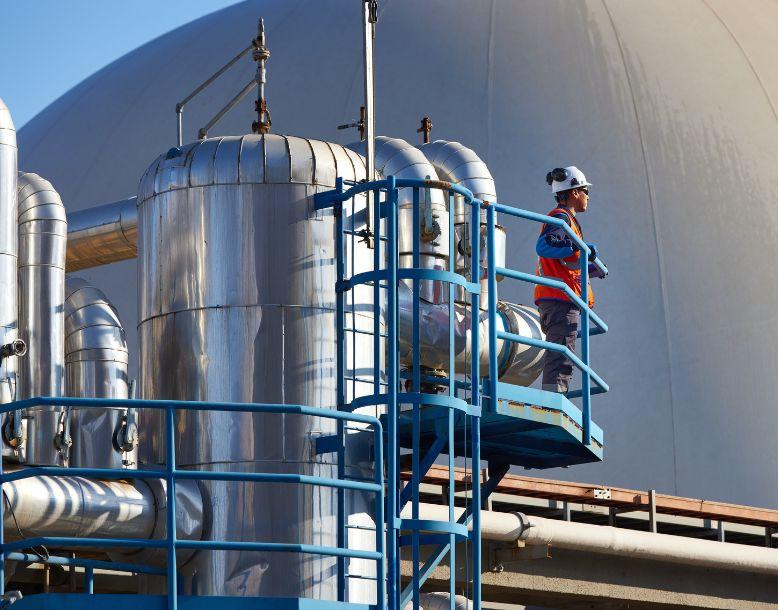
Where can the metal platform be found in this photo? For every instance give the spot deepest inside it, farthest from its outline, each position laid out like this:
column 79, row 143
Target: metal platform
column 78, row 601
column 529, row 427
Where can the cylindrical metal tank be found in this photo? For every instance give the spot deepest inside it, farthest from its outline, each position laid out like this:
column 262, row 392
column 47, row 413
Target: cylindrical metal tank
column 237, row 297
column 668, row 107
column 9, row 250
column 96, row 361
column 42, row 239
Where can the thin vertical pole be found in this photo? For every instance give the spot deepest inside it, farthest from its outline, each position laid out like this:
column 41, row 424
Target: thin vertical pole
column 416, row 433
column 451, row 392
column 492, row 298
column 368, row 32
column 393, row 557
column 475, row 401
column 170, row 463
column 586, row 412
column 378, row 443
column 340, row 374
column 89, row 580
column 2, row 521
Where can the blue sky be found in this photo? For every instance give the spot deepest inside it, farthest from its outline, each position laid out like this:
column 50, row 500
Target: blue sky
column 51, row 45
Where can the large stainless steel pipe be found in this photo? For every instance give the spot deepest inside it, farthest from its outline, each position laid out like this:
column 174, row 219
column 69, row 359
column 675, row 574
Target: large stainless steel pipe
column 79, row 507
column 103, row 234
column 42, row 239
column 96, row 361
column 519, row 364
column 510, row 527
column 9, row 240
column 237, row 301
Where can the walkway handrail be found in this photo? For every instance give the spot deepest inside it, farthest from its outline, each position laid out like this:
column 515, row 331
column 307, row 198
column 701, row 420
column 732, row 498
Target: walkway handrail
column 8, row 550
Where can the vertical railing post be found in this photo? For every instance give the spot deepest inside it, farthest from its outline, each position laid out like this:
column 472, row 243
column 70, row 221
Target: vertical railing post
column 416, row 427
column 340, row 381
column 392, row 378
column 380, row 542
column 452, row 389
column 170, row 463
column 586, row 396
column 89, row 580
column 492, row 298
column 475, row 398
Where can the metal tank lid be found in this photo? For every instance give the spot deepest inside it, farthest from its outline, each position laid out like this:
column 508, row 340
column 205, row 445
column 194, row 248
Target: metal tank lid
column 251, row 159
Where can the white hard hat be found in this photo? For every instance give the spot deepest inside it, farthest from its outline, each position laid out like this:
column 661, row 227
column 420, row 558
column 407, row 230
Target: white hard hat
column 566, row 178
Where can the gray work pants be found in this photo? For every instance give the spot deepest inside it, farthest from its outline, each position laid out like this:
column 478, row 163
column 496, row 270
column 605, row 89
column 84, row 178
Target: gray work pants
column 560, row 321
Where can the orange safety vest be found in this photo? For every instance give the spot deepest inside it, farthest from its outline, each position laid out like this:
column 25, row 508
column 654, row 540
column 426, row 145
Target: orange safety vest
column 567, row 269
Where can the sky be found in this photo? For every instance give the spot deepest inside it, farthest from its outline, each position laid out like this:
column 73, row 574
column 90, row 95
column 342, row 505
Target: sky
column 52, row 45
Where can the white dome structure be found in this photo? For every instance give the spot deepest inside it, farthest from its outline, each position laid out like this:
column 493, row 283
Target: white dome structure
column 669, row 108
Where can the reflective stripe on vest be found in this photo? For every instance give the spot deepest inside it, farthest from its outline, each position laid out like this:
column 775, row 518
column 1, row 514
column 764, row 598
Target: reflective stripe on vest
column 567, row 270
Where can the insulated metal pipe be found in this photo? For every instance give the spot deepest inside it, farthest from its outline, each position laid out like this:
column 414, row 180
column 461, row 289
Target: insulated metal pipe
column 42, row 238
column 9, row 240
column 96, row 360
column 103, row 234
column 535, row 531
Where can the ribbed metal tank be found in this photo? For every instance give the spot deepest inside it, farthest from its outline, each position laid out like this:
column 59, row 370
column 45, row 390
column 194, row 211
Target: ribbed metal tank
column 42, row 238
column 96, row 361
column 237, row 296
column 668, row 107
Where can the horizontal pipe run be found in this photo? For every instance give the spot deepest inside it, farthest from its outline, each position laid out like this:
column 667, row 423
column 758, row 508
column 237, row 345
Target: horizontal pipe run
column 543, row 281
column 272, row 477
column 607, row 540
column 102, row 235
column 555, row 347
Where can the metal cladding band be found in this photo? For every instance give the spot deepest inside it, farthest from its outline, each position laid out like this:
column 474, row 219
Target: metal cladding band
column 96, row 361
column 42, row 239
column 74, row 506
column 103, row 234
column 237, row 303
column 9, row 241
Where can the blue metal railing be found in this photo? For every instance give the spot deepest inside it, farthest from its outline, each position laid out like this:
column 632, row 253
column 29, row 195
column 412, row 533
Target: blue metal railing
column 9, row 550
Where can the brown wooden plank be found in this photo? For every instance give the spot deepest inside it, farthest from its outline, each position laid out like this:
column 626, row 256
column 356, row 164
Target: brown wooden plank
column 623, row 499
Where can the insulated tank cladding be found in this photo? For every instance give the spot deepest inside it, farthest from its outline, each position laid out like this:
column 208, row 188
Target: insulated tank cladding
column 237, row 297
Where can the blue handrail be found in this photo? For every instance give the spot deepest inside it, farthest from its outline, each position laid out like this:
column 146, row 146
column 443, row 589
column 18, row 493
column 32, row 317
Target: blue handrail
column 172, row 474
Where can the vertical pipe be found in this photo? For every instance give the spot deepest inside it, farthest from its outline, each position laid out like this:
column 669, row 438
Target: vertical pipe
column 170, row 467
column 180, row 116
column 652, row 510
column 476, row 404
column 392, row 374
column 368, row 32
column 492, row 299
column 586, row 412
column 41, row 273
column 379, row 520
column 9, row 250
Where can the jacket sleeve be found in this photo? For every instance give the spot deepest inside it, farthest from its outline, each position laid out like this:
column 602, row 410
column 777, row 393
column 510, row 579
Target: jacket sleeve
column 554, row 242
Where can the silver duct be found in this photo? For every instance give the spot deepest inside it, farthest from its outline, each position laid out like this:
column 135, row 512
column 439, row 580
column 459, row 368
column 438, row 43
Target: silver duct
column 458, row 164
column 237, row 295
column 9, row 240
column 78, row 507
column 42, row 241
column 96, row 361
column 103, row 234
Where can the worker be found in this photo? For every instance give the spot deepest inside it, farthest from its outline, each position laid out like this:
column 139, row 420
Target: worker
column 559, row 259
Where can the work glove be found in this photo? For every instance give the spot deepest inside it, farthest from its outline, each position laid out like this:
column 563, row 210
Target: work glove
column 592, row 252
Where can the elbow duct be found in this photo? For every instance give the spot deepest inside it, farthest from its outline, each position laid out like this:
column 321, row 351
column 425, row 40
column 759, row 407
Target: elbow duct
column 96, row 360
column 42, row 238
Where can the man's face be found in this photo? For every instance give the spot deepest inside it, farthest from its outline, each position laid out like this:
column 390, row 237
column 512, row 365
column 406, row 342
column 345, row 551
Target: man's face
column 579, row 198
